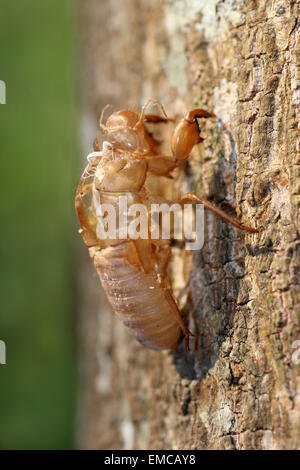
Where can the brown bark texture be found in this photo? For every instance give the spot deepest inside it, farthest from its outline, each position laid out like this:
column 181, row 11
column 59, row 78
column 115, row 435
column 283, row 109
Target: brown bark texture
column 239, row 386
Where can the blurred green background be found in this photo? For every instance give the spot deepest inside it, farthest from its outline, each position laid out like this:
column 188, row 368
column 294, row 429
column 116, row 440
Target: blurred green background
column 39, row 160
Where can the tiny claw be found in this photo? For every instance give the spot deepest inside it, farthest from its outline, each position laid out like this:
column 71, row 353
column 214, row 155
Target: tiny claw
column 186, row 343
column 249, row 229
column 186, row 339
column 198, row 114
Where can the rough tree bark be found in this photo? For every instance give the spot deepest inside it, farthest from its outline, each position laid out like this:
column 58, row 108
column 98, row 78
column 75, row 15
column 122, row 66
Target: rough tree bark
column 239, row 387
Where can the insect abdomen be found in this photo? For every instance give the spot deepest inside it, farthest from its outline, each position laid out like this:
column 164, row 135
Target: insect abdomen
column 137, row 298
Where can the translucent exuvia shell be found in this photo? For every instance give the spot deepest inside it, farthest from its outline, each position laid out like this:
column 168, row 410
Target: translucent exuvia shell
column 144, row 306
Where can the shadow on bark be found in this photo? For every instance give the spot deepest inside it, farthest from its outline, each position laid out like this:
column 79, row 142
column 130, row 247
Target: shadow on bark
column 214, row 280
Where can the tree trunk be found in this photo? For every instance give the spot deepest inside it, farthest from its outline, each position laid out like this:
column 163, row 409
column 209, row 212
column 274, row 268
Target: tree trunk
column 239, row 387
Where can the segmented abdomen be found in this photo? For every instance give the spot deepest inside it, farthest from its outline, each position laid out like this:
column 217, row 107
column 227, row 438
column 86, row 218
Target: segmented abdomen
column 136, row 297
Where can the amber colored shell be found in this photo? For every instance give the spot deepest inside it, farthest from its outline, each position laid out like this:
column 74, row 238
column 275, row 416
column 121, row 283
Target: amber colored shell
column 140, row 303
column 134, row 272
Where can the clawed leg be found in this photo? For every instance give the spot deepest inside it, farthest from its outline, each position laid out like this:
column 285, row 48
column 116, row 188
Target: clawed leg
column 190, row 197
column 187, row 134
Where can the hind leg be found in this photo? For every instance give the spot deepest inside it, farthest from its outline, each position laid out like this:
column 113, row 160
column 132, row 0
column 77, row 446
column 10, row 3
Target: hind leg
column 177, row 314
column 165, row 253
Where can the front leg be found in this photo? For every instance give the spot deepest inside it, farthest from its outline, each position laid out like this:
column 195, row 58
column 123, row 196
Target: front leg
column 187, row 134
